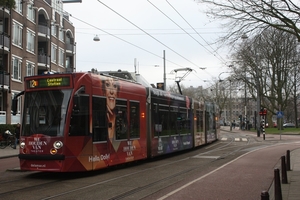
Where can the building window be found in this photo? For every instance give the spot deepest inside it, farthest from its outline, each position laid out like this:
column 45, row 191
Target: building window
column 68, row 62
column 29, row 69
column 31, row 12
column 61, row 35
column 53, row 53
column 19, row 6
column 17, row 34
column 54, row 30
column 16, row 68
column 61, row 55
column 13, row 94
column 30, row 41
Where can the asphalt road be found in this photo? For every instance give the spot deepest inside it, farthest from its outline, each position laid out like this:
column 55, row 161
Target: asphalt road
column 238, row 166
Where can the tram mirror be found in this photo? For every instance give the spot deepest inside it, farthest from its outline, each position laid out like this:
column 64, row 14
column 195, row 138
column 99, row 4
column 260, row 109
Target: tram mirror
column 14, row 106
column 76, row 103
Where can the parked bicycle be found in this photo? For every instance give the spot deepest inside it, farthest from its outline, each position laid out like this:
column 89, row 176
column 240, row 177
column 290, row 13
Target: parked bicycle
column 8, row 139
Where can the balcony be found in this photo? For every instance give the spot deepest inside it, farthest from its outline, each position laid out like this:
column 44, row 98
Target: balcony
column 6, row 42
column 4, row 80
column 70, row 50
column 43, row 32
column 43, row 59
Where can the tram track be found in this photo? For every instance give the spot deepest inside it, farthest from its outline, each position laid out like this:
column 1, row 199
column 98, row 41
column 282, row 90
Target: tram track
column 137, row 190
column 223, row 149
column 36, row 178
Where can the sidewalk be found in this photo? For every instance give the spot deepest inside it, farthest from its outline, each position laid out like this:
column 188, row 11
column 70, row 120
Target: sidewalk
column 9, row 152
column 291, row 190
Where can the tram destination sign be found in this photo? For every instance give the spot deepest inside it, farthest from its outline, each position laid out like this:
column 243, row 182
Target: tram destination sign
column 48, row 82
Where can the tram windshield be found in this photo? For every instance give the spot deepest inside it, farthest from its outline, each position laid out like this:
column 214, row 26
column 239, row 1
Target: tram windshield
column 45, row 112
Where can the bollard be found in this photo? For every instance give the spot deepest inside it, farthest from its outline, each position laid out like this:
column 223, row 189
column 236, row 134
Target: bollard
column 283, row 171
column 277, row 185
column 288, row 161
column 264, row 195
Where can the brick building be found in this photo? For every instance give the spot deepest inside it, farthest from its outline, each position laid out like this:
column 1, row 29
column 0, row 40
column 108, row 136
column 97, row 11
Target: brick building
column 37, row 37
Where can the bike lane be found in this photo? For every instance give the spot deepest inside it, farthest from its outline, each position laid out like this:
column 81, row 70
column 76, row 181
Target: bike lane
column 243, row 178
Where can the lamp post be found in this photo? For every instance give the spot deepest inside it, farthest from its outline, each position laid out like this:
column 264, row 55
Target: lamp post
column 245, row 37
column 230, row 99
column 230, row 104
column 165, row 78
column 164, row 73
column 258, row 86
column 258, row 98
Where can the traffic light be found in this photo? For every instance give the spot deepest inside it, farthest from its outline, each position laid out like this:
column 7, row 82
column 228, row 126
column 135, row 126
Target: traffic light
column 263, row 111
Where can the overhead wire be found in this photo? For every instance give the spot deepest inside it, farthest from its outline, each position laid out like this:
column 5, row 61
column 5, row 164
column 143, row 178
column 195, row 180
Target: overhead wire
column 147, row 33
column 179, row 25
column 220, row 57
column 113, row 35
column 182, row 30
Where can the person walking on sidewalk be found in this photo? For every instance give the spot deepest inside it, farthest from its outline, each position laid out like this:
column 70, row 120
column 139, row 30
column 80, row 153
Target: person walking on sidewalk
column 17, row 135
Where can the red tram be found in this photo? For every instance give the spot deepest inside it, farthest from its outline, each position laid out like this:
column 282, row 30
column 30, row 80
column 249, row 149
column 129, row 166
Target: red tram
column 86, row 121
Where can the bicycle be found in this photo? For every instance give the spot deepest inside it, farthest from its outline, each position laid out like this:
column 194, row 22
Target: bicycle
column 8, row 139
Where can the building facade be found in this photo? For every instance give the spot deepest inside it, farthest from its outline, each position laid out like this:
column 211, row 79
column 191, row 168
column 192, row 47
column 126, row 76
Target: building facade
column 37, row 37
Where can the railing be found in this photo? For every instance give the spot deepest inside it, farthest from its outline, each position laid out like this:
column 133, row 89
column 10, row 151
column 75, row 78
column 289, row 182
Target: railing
column 70, row 47
column 43, row 59
column 6, row 41
column 44, row 29
column 4, row 78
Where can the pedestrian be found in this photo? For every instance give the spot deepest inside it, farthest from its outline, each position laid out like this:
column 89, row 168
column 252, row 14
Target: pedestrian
column 233, row 124
column 17, row 134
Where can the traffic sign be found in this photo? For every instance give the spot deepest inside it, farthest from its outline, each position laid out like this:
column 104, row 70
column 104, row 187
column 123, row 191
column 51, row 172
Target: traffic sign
column 279, row 114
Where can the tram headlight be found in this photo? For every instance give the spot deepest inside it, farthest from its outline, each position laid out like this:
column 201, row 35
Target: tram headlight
column 22, row 145
column 53, row 151
column 57, row 144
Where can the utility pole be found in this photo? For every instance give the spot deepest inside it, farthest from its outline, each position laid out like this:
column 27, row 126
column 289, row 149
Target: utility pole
column 165, row 82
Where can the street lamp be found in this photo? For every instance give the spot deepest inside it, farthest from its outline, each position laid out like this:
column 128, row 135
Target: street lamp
column 230, row 99
column 257, row 81
column 245, row 37
column 96, row 38
column 164, row 74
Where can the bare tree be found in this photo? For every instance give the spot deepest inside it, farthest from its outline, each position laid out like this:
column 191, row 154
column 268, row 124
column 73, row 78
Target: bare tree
column 252, row 16
column 267, row 65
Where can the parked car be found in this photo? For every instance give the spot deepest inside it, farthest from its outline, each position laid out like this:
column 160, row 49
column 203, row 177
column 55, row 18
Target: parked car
column 289, row 125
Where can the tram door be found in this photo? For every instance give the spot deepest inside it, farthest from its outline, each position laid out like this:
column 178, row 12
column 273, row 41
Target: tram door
column 99, row 133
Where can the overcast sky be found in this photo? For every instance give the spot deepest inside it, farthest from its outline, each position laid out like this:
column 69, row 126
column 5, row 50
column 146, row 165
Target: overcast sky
column 142, row 30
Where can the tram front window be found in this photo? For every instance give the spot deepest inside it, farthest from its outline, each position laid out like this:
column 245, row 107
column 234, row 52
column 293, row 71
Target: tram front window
column 44, row 112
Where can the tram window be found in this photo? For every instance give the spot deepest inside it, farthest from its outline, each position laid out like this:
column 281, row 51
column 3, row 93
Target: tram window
column 164, row 120
column 155, row 120
column 174, row 120
column 183, row 121
column 121, row 120
column 100, row 131
column 79, row 124
column 134, row 119
column 200, row 127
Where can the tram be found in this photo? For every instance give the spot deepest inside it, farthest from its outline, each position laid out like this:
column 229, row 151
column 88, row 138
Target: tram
column 86, row 121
